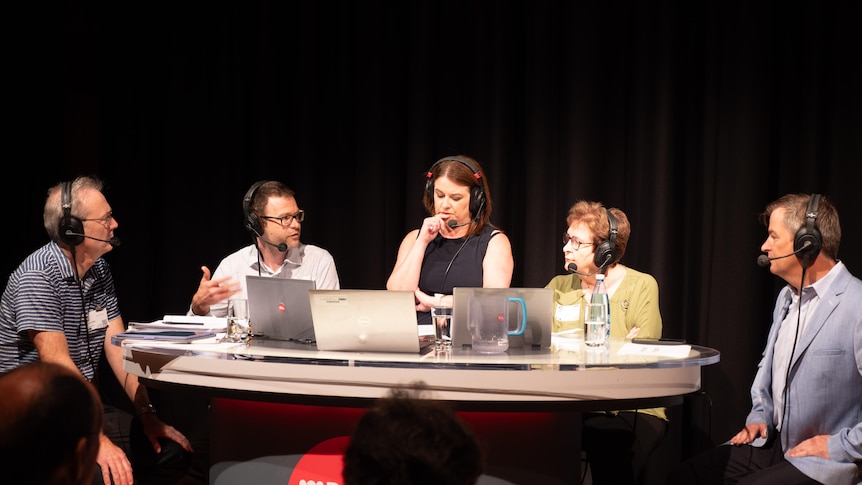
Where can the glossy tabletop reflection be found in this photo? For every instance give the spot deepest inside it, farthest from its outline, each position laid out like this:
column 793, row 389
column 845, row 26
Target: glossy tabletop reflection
column 567, row 371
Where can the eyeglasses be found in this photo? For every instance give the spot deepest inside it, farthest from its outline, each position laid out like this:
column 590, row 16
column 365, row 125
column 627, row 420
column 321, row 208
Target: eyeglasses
column 285, row 221
column 567, row 239
column 106, row 221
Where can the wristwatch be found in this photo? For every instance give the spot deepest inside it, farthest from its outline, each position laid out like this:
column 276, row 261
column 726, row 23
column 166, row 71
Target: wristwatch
column 147, row 409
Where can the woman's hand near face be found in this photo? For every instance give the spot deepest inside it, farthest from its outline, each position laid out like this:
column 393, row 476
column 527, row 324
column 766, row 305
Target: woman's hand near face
column 432, row 226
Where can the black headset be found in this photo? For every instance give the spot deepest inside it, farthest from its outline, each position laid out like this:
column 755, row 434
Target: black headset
column 809, row 233
column 477, row 193
column 252, row 223
column 606, row 252
column 71, row 227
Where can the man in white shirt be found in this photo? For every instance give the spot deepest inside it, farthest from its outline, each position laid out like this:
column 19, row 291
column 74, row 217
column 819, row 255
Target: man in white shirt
column 274, row 219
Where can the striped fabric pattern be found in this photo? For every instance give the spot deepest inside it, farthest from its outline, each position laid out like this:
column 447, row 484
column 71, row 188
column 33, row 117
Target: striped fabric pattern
column 43, row 294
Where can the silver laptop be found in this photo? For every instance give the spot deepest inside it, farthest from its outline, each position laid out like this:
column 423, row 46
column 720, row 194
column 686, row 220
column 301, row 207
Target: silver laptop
column 365, row 320
column 279, row 309
column 538, row 301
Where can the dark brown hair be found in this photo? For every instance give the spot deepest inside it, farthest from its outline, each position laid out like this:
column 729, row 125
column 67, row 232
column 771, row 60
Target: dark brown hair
column 461, row 173
column 406, row 439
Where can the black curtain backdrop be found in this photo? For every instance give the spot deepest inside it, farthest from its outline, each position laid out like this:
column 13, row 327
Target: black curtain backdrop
column 689, row 116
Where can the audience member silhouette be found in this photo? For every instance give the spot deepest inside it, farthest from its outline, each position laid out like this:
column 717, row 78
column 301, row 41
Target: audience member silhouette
column 50, row 419
column 408, row 439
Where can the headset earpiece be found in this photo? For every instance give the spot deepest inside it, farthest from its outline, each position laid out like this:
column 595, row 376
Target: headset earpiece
column 71, row 227
column 251, row 222
column 477, row 193
column 477, row 201
column 606, row 252
column 809, row 233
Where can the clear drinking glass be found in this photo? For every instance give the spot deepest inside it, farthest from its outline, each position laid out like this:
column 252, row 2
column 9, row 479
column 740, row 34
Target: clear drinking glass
column 237, row 320
column 441, row 318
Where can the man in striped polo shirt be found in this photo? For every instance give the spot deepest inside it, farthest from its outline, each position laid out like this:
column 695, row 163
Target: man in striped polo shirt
column 60, row 306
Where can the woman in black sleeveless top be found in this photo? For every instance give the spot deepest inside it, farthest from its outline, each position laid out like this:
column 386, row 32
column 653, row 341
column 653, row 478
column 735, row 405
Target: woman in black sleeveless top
column 456, row 245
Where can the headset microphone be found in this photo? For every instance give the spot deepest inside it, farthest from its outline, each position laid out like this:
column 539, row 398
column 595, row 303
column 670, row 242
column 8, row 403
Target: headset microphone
column 765, row 261
column 282, row 247
column 454, row 224
column 573, row 268
column 114, row 241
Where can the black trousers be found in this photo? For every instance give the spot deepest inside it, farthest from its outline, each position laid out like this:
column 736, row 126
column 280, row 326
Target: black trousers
column 127, row 432
column 619, row 445
column 744, row 465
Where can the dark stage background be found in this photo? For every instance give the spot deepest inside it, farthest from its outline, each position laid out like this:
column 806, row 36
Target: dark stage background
column 689, row 116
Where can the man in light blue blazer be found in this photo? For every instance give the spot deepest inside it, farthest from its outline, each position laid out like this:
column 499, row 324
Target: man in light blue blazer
column 805, row 424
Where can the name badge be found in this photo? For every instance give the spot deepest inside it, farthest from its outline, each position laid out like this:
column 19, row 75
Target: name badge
column 567, row 313
column 97, row 319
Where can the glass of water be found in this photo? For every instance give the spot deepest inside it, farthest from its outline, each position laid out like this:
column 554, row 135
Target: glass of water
column 237, row 320
column 441, row 317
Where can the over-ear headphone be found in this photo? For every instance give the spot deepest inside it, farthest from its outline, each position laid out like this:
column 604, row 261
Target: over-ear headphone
column 477, row 193
column 606, row 252
column 809, row 233
column 71, row 227
column 252, row 223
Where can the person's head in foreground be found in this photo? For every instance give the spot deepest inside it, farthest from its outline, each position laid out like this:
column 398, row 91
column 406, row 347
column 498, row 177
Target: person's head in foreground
column 406, row 438
column 50, row 419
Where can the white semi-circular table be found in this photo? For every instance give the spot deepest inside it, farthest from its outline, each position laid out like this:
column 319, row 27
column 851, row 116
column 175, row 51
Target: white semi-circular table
column 290, row 397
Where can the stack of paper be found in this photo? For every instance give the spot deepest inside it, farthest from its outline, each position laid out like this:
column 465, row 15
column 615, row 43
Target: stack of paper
column 679, row 351
column 186, row 322
column 163, row 335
